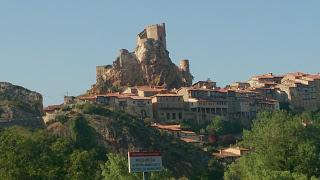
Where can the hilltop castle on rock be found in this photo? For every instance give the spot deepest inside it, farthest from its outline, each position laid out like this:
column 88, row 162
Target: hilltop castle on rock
column 149, row 64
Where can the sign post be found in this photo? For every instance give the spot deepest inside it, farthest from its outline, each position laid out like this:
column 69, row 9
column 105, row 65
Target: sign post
column 145, row 176
column 144, row 162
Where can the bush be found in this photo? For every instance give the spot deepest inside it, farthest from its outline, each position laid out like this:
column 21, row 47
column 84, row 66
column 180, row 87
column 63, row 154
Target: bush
column 62, row 118
column 93, row 109
column 81, row 133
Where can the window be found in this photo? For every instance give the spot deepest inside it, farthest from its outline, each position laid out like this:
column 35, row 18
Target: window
column 173, row 115
column 168, row 115
column 180, row 115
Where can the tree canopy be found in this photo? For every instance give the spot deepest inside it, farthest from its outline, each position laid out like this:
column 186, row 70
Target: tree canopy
column 285, row 146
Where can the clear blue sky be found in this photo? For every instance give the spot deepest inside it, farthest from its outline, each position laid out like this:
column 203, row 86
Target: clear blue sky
column 53, row 46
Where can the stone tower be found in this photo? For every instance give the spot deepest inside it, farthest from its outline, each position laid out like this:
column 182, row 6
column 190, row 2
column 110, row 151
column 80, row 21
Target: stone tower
column 156, row 32
column 184, row 65
column 185, row 72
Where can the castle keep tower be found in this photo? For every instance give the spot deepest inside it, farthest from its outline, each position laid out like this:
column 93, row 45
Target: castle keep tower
column 156, row 32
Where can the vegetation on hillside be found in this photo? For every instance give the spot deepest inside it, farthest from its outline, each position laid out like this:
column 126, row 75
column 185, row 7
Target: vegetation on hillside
column 285, row 146
column 26, row 154
column 90, row 142
column 86, row 141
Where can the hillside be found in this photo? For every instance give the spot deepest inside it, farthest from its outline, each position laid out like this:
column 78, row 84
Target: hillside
column 120, row 132
column 19, row 106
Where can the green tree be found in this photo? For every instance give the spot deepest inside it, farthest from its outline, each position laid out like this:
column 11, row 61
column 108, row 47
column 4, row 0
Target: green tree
column 215, row 170
column 82, row 166
column 26, row 154
column 282, row 144
column 81, row 133
column 117, row 168
column 217, row 125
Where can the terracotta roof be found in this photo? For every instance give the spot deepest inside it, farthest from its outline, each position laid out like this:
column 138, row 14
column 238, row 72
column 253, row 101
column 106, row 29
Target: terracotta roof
column 189, row 140
column 267, row 76
column 188, row 132
column 112, row 94
column 151, row 89
column 297, row 74
column 167, row 95
column 52, row 107
column 221, row 90
column 223, row 153
column 208, row 81
column 118, row 95
column 226, row 154
column 139, row 97
column 314, row 76
column 197, row 89
column 88, row 97
column 175, row 127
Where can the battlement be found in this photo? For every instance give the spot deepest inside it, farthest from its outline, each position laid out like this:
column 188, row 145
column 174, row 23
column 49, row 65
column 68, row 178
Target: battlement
column 155, row 31
column 158, row 26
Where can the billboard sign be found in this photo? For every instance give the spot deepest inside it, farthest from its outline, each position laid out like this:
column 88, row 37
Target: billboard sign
column 144, row 161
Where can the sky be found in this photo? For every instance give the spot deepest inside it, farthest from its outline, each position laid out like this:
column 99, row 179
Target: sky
column 53, row 47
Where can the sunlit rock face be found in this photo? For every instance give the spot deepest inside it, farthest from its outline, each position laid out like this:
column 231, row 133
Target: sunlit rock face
column 149, row 64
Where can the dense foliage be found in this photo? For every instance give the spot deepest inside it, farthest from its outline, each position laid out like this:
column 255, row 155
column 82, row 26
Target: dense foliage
column 285, row 146
column 26, row 154
column 221, row 125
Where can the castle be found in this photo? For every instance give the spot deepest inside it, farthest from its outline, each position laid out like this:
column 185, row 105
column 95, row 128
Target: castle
column 127, row 60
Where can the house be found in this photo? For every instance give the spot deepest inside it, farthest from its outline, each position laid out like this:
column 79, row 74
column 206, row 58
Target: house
column 205, row 84
column 231, row 154
column 140, row 106
column 50, row 113
column 205, row 103
column 176, row 131
column 146, row 91
column 168, row 107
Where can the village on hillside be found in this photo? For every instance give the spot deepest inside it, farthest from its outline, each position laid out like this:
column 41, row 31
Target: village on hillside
column 168, row 104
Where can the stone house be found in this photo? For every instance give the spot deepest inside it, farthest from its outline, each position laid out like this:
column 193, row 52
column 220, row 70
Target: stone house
column 168, row 108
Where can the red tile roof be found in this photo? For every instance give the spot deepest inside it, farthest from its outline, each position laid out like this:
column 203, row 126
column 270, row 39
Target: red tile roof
column 52, row 108
column 167, row 95
column 189, row 140
column 151, row 89
column 175, row 127
column 314, row 76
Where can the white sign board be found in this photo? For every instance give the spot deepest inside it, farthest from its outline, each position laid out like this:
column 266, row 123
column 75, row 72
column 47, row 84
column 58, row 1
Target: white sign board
column 144, row 161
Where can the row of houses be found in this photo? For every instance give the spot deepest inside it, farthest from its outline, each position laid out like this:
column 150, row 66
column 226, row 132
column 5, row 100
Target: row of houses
column 200, row 102
column 297, row 90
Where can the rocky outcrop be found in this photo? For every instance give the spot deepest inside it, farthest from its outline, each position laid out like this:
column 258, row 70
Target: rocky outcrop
column 149, row 64
column 19, row 103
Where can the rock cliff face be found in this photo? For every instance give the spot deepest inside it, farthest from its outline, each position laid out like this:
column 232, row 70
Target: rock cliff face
column 19, row 103
column 149, row 64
